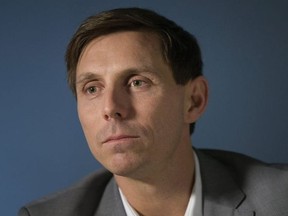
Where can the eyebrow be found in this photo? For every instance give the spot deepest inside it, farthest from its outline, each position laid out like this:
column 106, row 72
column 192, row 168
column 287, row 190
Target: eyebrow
column 86, row 76
column 145, row 69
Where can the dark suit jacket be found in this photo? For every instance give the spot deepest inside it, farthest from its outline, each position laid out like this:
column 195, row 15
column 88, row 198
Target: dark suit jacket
column 232, row 184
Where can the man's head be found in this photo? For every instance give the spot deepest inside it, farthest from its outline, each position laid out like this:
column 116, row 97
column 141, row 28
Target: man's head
column 136, row 76
column 179, row 48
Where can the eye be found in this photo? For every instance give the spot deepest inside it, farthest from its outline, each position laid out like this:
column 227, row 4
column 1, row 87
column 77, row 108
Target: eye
column 91, row 90
column 137, row 83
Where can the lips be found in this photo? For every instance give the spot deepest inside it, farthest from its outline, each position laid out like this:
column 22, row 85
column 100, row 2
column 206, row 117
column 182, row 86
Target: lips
column 119, row 138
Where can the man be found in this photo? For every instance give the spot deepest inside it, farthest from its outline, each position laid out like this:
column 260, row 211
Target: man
column 137, row 77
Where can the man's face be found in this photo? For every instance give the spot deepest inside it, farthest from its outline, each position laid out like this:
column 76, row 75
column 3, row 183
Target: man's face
column 130, row 108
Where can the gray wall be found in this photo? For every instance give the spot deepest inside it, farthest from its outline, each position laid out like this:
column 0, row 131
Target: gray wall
column 245, row 50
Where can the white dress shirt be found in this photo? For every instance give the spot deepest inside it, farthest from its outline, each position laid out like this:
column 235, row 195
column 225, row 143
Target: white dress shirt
column 194, row 207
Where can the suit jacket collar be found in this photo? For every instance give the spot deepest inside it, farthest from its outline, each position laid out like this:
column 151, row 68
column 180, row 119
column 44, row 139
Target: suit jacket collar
column 111, row 203
column 221, row 194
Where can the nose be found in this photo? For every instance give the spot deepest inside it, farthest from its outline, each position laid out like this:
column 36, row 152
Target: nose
column 116, row 104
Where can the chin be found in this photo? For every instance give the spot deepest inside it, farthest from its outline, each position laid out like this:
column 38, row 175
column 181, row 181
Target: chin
column 122, row 166
column 123, row 172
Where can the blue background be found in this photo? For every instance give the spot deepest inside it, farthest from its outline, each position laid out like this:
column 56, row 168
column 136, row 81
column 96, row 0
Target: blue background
column 245, row 51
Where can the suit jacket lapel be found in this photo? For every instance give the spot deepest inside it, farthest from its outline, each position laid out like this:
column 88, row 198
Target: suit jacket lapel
column 221, row 195
column 111, row 203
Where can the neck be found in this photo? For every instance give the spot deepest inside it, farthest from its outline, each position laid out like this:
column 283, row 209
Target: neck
column 167, row 190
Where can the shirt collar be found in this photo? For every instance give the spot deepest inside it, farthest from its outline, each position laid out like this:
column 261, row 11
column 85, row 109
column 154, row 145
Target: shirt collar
column 195, row 202
column 194, row 206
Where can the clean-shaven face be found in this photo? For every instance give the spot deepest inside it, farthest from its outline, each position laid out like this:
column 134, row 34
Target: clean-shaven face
column 130, row 108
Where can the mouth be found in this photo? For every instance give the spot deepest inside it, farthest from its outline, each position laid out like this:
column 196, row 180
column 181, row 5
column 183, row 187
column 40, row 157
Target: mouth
column 119, row 138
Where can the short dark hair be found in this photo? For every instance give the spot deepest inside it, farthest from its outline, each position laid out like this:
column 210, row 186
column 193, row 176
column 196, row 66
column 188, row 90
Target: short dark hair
column 180, row 48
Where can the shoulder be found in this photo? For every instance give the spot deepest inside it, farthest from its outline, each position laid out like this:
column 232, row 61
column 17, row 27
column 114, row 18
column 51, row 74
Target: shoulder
column 247, row 169
column 245, row 164
column 70, row 201
column 264, row 184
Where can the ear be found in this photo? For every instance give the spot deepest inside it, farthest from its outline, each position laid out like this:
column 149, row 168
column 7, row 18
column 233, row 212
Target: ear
column 196, row 97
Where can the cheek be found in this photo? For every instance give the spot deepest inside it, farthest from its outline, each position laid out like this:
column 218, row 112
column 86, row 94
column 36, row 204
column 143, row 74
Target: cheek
column 164, row 115
column 90, row 127
column 88, row 111
column 88, row 119
column 83, row 115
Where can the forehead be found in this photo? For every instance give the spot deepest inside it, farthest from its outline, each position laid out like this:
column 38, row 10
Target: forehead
column 121, row 48
column 139, row 39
